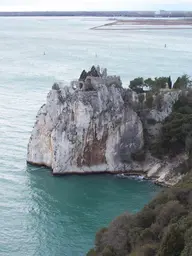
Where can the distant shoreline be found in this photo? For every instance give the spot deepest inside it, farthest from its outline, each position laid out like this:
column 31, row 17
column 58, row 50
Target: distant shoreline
column 147, row 14
column 143, row 24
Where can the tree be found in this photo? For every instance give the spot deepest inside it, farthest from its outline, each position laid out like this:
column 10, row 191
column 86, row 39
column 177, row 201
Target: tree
column 182, row 82
column 169, row 83
column 158, row 83
column 173, row 242
column 137, row 84
column 161, row 82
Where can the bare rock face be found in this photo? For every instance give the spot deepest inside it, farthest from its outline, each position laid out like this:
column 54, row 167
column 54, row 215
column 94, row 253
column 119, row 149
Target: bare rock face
column 86, row 127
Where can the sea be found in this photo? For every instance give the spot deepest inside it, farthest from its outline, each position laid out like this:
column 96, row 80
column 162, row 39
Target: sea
column 42, row 215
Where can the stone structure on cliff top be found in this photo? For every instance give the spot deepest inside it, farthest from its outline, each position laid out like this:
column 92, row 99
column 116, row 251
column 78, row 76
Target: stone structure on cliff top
column 86, row 127
column 93, row 126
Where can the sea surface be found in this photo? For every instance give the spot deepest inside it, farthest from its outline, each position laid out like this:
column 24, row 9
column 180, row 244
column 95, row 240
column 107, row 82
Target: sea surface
column 41, row 215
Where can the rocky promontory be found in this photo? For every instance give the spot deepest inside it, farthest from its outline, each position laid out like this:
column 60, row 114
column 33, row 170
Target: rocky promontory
column 86, row 127
column 95, row 125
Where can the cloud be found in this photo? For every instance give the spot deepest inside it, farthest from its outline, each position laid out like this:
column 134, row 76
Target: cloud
column 24, row 5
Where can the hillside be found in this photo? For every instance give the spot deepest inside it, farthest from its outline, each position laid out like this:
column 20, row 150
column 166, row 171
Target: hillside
column 162, row 228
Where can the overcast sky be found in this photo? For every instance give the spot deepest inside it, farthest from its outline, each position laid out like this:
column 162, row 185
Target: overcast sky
column 78, row 5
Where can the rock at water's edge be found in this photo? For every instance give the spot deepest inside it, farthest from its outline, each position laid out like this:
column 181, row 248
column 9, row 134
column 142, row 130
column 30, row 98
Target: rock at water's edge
column 87, row 129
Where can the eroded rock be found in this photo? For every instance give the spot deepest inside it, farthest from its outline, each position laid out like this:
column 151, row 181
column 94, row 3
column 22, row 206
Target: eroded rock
column 88, row 129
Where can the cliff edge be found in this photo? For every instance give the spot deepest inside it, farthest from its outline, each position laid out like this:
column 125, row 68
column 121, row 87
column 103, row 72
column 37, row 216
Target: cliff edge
column 86, row 127
column 94, row 125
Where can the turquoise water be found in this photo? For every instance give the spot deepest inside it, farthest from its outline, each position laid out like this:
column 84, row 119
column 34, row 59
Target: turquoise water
column 41, row 214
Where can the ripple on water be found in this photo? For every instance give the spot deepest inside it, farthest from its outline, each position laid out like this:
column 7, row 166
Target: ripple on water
column 41, row 214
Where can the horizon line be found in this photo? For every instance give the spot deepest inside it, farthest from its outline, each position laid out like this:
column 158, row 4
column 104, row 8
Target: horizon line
column 164, row 10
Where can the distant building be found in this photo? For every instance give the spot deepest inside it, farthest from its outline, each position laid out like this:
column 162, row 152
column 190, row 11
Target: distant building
column 162, row 13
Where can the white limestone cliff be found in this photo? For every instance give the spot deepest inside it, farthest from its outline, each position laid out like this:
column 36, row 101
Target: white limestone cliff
column 92, row 126
column 85, row 127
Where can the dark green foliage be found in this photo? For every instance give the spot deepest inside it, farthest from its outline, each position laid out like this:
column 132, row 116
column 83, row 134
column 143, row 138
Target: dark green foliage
column 184, row 167
column 137, row 84
column 182, row 82
column 162, row 228
column 169, row 83
column 138, row 156
column 91, row 253
column 176, row 130
column 158, row 83
column 173, row 241
column 158, row 102
column 151, row 121
column 141, row 97
column 161, row 82
column 150, row 82
column 145, row 218
column 147, row 250
column 169, row 211
column 149, row 100
column 188, row 244
column 108, row 251
column 98, row 239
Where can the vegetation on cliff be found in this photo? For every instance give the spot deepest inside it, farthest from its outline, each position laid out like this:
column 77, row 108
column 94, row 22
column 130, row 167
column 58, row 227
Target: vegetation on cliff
column 139, row 84
column 162, row 228
column 176, row 135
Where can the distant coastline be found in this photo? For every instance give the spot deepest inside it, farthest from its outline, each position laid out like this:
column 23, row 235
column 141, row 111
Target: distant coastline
column 150, row 23
column 99, row 14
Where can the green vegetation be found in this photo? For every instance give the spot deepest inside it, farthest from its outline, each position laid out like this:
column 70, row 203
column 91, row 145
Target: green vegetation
column 182, row 82
column 162, row 228
column 158, row 83
column 177, row 129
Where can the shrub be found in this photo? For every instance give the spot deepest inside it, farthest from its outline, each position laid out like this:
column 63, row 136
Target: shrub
column 161, row 82
column 138, row 156
column 147, row 250
column 151, row 121
column 147, row 236
column 158, row 83
column 92, row 252
column 99, row 244
column 182, row 82
column 187, row 250
column 169, row 211
column 162, row 228
column 172, row 242
column 116, row 237
column 158, row 102
column 150, row 82
column 188, row 243
column 161, row 198
column 136, row 82
column 145, row 218
column 141, row 97
column 134, row 235
column 149, row 100
column 108, row 251
column 176, row 130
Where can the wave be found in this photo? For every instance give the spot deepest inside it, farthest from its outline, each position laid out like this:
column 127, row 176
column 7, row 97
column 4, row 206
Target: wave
column 133, row 177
